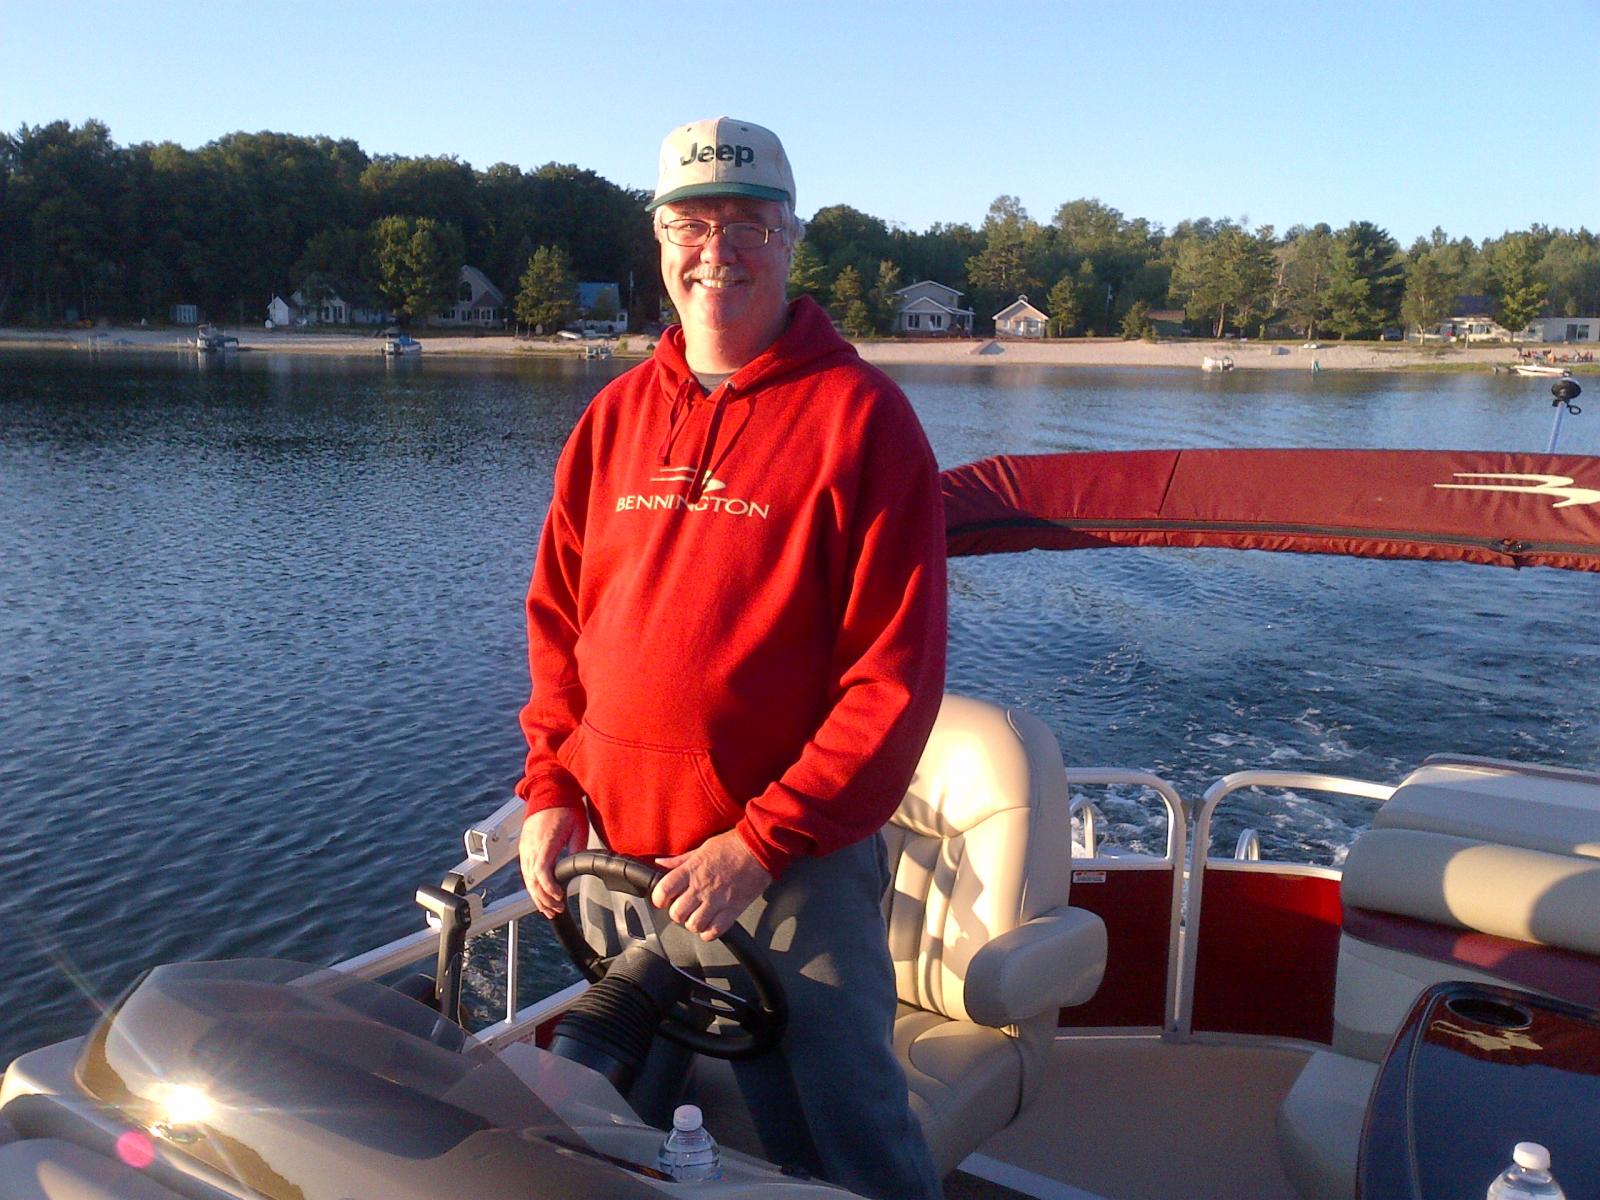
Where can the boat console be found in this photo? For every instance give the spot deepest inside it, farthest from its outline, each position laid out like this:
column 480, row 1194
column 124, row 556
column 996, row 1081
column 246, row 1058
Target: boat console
column 258, row 1078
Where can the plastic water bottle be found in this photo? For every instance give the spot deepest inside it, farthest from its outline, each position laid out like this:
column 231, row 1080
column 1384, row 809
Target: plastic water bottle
column 1528, row 1177
column 690, row 1153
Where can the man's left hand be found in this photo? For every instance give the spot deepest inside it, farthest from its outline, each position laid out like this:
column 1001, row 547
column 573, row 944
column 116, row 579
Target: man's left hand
column 706, row 889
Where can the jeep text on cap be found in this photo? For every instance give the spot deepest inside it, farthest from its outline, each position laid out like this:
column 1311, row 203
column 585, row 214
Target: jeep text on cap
column 722, row 156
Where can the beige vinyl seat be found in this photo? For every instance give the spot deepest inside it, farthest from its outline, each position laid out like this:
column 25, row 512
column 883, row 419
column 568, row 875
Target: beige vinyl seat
column 985, row 948
column 1475, row 869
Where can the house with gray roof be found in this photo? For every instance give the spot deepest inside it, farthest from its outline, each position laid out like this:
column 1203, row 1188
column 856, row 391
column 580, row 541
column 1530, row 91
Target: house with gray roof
column 478, row 302
column 929, row 309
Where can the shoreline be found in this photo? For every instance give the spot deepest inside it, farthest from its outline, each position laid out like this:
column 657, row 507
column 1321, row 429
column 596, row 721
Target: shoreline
column 982, row 352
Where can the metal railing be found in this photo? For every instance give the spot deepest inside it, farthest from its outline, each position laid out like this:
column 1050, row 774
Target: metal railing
column 1177, row 834
column 491, row 846
column 1302, row 781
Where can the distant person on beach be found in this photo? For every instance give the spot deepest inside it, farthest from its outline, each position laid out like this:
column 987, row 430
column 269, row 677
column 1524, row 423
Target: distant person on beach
column 736, row 632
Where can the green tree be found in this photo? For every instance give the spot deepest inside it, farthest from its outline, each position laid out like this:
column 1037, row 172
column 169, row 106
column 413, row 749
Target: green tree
column 1000, row 274
column 442, row 189
column 1063, row 303
column 1089, row 296
column 1136, row 322
column 1005, row 267
column 1123, row 252
column 418, row 262
column 1518, row 292
column 940, row 254
column 843, row 236
column 858, row 319
column 808, row 274
column 1570, row 269
column 1253, row 275
column 1304, row 266
column 1366, row 280
column 885, row 303
column 1351, row 309
column 547, row 297
column 847, row 291
column 341, row 256
column 62, row 187
column 1229, row 274
column 1431, row 290
column 850, row 303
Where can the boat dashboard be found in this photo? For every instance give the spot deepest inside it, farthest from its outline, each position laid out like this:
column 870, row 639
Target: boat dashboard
column 259, row 1078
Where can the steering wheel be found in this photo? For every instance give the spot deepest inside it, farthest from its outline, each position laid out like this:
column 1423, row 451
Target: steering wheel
column 750, row 1027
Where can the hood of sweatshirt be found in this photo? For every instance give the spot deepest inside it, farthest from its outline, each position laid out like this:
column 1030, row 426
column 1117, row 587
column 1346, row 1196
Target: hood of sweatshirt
column 808, row 341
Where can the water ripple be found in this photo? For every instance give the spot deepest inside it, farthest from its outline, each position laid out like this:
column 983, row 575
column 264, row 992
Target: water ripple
column 261, row 647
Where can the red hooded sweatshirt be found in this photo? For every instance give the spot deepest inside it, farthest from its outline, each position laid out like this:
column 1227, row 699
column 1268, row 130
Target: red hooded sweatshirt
column 737, row 614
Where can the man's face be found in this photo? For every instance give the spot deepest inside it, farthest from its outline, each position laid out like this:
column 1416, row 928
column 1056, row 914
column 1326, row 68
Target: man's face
column 716, row 287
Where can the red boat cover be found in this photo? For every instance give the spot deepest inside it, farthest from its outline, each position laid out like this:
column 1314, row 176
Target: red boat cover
column 1510, row 510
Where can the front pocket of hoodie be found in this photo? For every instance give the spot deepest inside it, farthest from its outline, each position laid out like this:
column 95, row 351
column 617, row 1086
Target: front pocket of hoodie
column 649, row 800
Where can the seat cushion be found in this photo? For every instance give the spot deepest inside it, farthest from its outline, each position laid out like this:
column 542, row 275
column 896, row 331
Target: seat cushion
column 1551, row 809
column 1319, row 1125
column 965, row 1079
column 979, row 845
column 1508, row 891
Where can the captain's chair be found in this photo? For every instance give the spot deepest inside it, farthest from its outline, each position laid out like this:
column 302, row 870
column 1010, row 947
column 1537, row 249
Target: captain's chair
column 1475, row 869
column 985, row 948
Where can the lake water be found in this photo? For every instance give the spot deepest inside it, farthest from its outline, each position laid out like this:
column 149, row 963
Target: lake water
column 261, row 647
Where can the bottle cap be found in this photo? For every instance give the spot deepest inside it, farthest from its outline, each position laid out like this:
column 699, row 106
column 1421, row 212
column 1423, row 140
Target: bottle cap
column 687, row 1116
column 1530, row 1156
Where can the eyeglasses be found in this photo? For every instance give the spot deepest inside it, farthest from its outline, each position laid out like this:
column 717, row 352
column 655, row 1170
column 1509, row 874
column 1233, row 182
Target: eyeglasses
column 741, row 235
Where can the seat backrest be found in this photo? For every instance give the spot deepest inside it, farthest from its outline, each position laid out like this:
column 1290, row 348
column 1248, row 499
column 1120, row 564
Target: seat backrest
column 1474, row 869
column 981, row 843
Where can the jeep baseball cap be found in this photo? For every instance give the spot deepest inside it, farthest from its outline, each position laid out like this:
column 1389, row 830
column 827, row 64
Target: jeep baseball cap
column 722, row 157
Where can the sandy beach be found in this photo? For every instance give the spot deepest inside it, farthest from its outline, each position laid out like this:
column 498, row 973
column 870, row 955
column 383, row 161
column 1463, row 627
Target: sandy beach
column 1072, row 352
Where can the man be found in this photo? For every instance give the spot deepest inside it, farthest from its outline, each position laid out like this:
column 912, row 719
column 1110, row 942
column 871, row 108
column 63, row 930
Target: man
column 736, row 633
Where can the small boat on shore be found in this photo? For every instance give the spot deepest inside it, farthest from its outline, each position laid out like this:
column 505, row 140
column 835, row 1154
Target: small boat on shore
column 1218, row 363
column 210, row 340
column 401, row 346
column 1539, row 370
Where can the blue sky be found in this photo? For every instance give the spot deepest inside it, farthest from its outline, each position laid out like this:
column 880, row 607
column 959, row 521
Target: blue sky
column 1474, row 116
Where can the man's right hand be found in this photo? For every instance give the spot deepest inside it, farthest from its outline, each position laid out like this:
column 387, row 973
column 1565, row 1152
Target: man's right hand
column 547, row 836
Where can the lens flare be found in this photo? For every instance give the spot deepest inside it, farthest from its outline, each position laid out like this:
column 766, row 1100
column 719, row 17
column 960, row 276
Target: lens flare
column 184, row 1104
column 136, row 1149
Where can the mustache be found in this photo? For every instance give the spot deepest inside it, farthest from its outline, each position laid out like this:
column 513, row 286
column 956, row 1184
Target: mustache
column 716, row 275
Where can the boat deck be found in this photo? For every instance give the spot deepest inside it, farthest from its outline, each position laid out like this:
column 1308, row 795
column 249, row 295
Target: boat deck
column 1136, row 1118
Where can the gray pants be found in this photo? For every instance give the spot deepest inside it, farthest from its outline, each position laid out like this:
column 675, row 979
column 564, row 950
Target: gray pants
column 831, row 1098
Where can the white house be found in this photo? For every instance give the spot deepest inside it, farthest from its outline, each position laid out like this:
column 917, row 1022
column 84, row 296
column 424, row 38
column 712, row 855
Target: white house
column 1471, row 320
column 1021, row 319
column 281, row 313
column 478, row 302
column 929, row 308
column 1565, row 329
column 330, row 309
column 602, row 298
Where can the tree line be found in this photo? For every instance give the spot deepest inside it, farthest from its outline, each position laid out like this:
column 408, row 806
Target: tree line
column 96, row 229
column 91, row 228
column 1095, row 271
